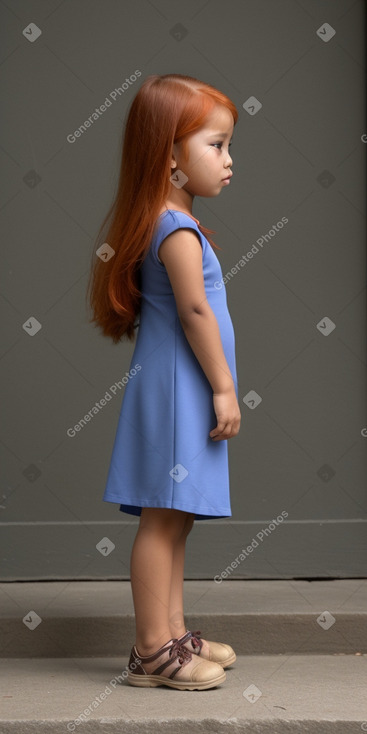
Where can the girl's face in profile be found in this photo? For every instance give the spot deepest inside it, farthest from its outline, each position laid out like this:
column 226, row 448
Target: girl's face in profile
column 209, row 161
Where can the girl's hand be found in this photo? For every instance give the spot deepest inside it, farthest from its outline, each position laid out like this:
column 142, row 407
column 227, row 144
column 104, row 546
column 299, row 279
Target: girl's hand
column 228, row 415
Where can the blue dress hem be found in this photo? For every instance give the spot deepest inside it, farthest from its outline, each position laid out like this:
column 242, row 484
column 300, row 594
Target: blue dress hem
column 136, row 509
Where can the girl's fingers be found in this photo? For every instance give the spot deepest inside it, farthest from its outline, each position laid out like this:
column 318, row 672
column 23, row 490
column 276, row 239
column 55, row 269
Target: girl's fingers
column 222, row 431
column 225, row 430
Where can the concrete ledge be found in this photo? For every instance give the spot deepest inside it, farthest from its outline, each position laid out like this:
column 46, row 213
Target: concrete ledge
column 295, row 694
column 248, row 634
column 96, row 618
column 175, row 726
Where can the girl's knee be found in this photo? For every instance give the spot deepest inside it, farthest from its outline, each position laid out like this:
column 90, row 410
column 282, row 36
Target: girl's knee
column 163, row 520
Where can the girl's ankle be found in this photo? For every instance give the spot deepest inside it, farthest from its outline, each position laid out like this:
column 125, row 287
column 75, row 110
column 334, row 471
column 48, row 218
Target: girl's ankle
column 179, row 633
column 145, row 649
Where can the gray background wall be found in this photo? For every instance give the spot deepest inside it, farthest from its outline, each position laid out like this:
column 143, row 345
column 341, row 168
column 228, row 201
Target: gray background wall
column 298, row 305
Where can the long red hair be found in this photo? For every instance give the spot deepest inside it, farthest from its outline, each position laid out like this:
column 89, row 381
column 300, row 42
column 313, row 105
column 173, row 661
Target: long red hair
column 166, row 110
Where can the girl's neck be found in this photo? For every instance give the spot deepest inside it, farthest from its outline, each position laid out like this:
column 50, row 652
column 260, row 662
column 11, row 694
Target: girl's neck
column 179, row 200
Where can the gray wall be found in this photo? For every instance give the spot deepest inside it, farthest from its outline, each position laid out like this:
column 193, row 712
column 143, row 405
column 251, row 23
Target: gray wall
column 296, row 203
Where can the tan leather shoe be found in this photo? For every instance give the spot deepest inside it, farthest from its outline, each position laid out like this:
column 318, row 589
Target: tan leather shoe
column 216, row 652
column 173, row 665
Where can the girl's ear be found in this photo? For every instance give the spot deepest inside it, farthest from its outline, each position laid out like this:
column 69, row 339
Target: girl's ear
column 173, row 160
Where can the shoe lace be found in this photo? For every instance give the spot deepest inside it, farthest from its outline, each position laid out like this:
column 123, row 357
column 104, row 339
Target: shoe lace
column 183, row 654
column 195, row 639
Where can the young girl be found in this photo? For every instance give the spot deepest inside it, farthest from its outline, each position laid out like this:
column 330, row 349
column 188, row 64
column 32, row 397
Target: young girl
column 169, row 462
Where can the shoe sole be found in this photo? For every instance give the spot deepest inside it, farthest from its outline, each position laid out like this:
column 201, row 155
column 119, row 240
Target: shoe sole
column 152, row 681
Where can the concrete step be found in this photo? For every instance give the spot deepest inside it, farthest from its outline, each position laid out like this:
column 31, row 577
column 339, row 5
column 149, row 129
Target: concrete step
column 269, row 694
column 96, row 618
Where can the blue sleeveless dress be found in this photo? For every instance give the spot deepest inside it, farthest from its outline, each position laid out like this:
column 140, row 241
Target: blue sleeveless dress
column 163, row 455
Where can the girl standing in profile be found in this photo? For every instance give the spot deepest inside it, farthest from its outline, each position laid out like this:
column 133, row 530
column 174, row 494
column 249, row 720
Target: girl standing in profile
column 169, row 462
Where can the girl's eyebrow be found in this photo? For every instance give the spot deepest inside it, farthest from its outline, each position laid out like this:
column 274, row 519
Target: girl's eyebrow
column 220, row 135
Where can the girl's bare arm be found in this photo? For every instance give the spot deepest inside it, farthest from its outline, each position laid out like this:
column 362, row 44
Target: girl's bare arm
column 181, row 254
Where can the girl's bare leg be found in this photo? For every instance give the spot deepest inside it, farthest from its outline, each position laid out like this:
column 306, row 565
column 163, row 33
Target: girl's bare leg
column 176, row 605
column 152, row 560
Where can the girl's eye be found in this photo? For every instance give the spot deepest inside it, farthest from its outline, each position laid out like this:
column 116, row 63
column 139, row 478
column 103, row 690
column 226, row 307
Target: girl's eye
column 220, row 144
